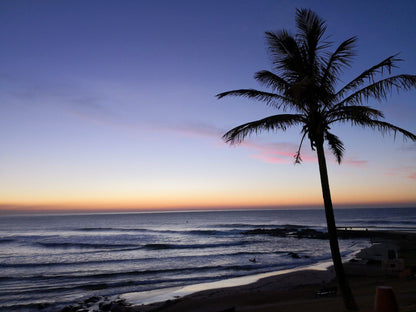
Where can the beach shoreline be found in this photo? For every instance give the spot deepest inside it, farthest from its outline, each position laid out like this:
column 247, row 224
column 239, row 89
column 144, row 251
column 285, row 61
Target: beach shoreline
column 166, row 294
column 297, row 289
column 293, row 291
column 221, row 298
column 285, row 290
column 161, row 295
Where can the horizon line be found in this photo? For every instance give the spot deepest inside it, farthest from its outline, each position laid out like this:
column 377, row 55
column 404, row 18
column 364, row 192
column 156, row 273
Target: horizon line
column 44, row 210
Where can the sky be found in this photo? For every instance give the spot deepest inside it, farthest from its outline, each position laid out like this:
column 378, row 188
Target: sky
column 110, row 105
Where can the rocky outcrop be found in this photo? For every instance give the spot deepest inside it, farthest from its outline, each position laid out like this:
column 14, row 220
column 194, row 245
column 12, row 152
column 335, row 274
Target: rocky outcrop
column 289, row 232
column 101, row 304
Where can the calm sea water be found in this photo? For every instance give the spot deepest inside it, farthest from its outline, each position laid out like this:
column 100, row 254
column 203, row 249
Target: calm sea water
column 61, row 259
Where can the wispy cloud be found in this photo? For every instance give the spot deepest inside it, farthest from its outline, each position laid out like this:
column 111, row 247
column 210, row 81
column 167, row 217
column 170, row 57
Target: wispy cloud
column 90, row 109
column 57, row 95
column 194, row 129
column 284, row 153
column 354, row 162
column 407, row 148
column 275, row 153
column 408, row 171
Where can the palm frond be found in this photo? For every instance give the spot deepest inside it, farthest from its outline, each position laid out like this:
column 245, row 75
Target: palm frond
column 385, row 128
column 369, row 74
column 311, row 29
column 348, row 113
column 271, row 80
column 285, row 53
column 380, row 89
column 340, row 58
column 276, row 122
column 298, row 159
column 336, row 146
column 281, row 44
column 271, row 99
column 305, row 79
column 365, row 121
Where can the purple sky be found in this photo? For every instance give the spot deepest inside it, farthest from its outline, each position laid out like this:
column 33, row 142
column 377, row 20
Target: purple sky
column 112, row 104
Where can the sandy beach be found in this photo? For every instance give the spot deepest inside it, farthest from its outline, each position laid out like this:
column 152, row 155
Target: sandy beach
column 297, row 291
column 288, row 291
column 292, row 292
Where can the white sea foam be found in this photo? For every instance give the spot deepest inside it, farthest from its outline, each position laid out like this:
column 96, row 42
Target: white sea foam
column 59, row 259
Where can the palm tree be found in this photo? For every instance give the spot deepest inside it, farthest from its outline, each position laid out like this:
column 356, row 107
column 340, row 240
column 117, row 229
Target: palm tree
column 305, row 83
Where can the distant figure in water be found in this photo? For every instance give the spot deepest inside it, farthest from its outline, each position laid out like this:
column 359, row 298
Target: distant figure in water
column 252, row 260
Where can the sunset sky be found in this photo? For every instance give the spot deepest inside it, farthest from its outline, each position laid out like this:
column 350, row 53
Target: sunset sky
column 111, row 105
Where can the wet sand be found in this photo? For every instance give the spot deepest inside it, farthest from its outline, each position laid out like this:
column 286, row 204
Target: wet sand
column 296, row 291
column 293, row 292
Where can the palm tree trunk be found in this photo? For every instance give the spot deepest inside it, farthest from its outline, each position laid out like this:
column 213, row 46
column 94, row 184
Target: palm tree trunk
column 347, row 295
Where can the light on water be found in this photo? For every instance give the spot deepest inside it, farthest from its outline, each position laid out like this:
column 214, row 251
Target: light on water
column 61, row 259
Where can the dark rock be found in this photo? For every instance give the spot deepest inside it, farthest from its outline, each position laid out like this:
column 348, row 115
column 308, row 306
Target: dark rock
column 272, row 232
column 92, row 299
column 294, row 255
column 311, row 233
column 42, row 306
column 289, row 232
column 69, row 308
column 106, row 306
column 119, row 305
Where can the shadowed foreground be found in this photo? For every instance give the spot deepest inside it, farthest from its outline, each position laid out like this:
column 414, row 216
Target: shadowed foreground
column 280, row 294
column 297, row 291
column 269, row 295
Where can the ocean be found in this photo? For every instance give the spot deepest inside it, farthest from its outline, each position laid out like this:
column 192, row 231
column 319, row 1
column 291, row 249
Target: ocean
column 49, row 261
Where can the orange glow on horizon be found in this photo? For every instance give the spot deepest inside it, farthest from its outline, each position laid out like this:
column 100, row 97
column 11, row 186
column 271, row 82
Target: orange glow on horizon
column 209, row 199
column 96, row 206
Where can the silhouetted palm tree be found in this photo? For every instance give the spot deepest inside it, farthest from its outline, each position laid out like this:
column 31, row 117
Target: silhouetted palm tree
column 305, row 83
